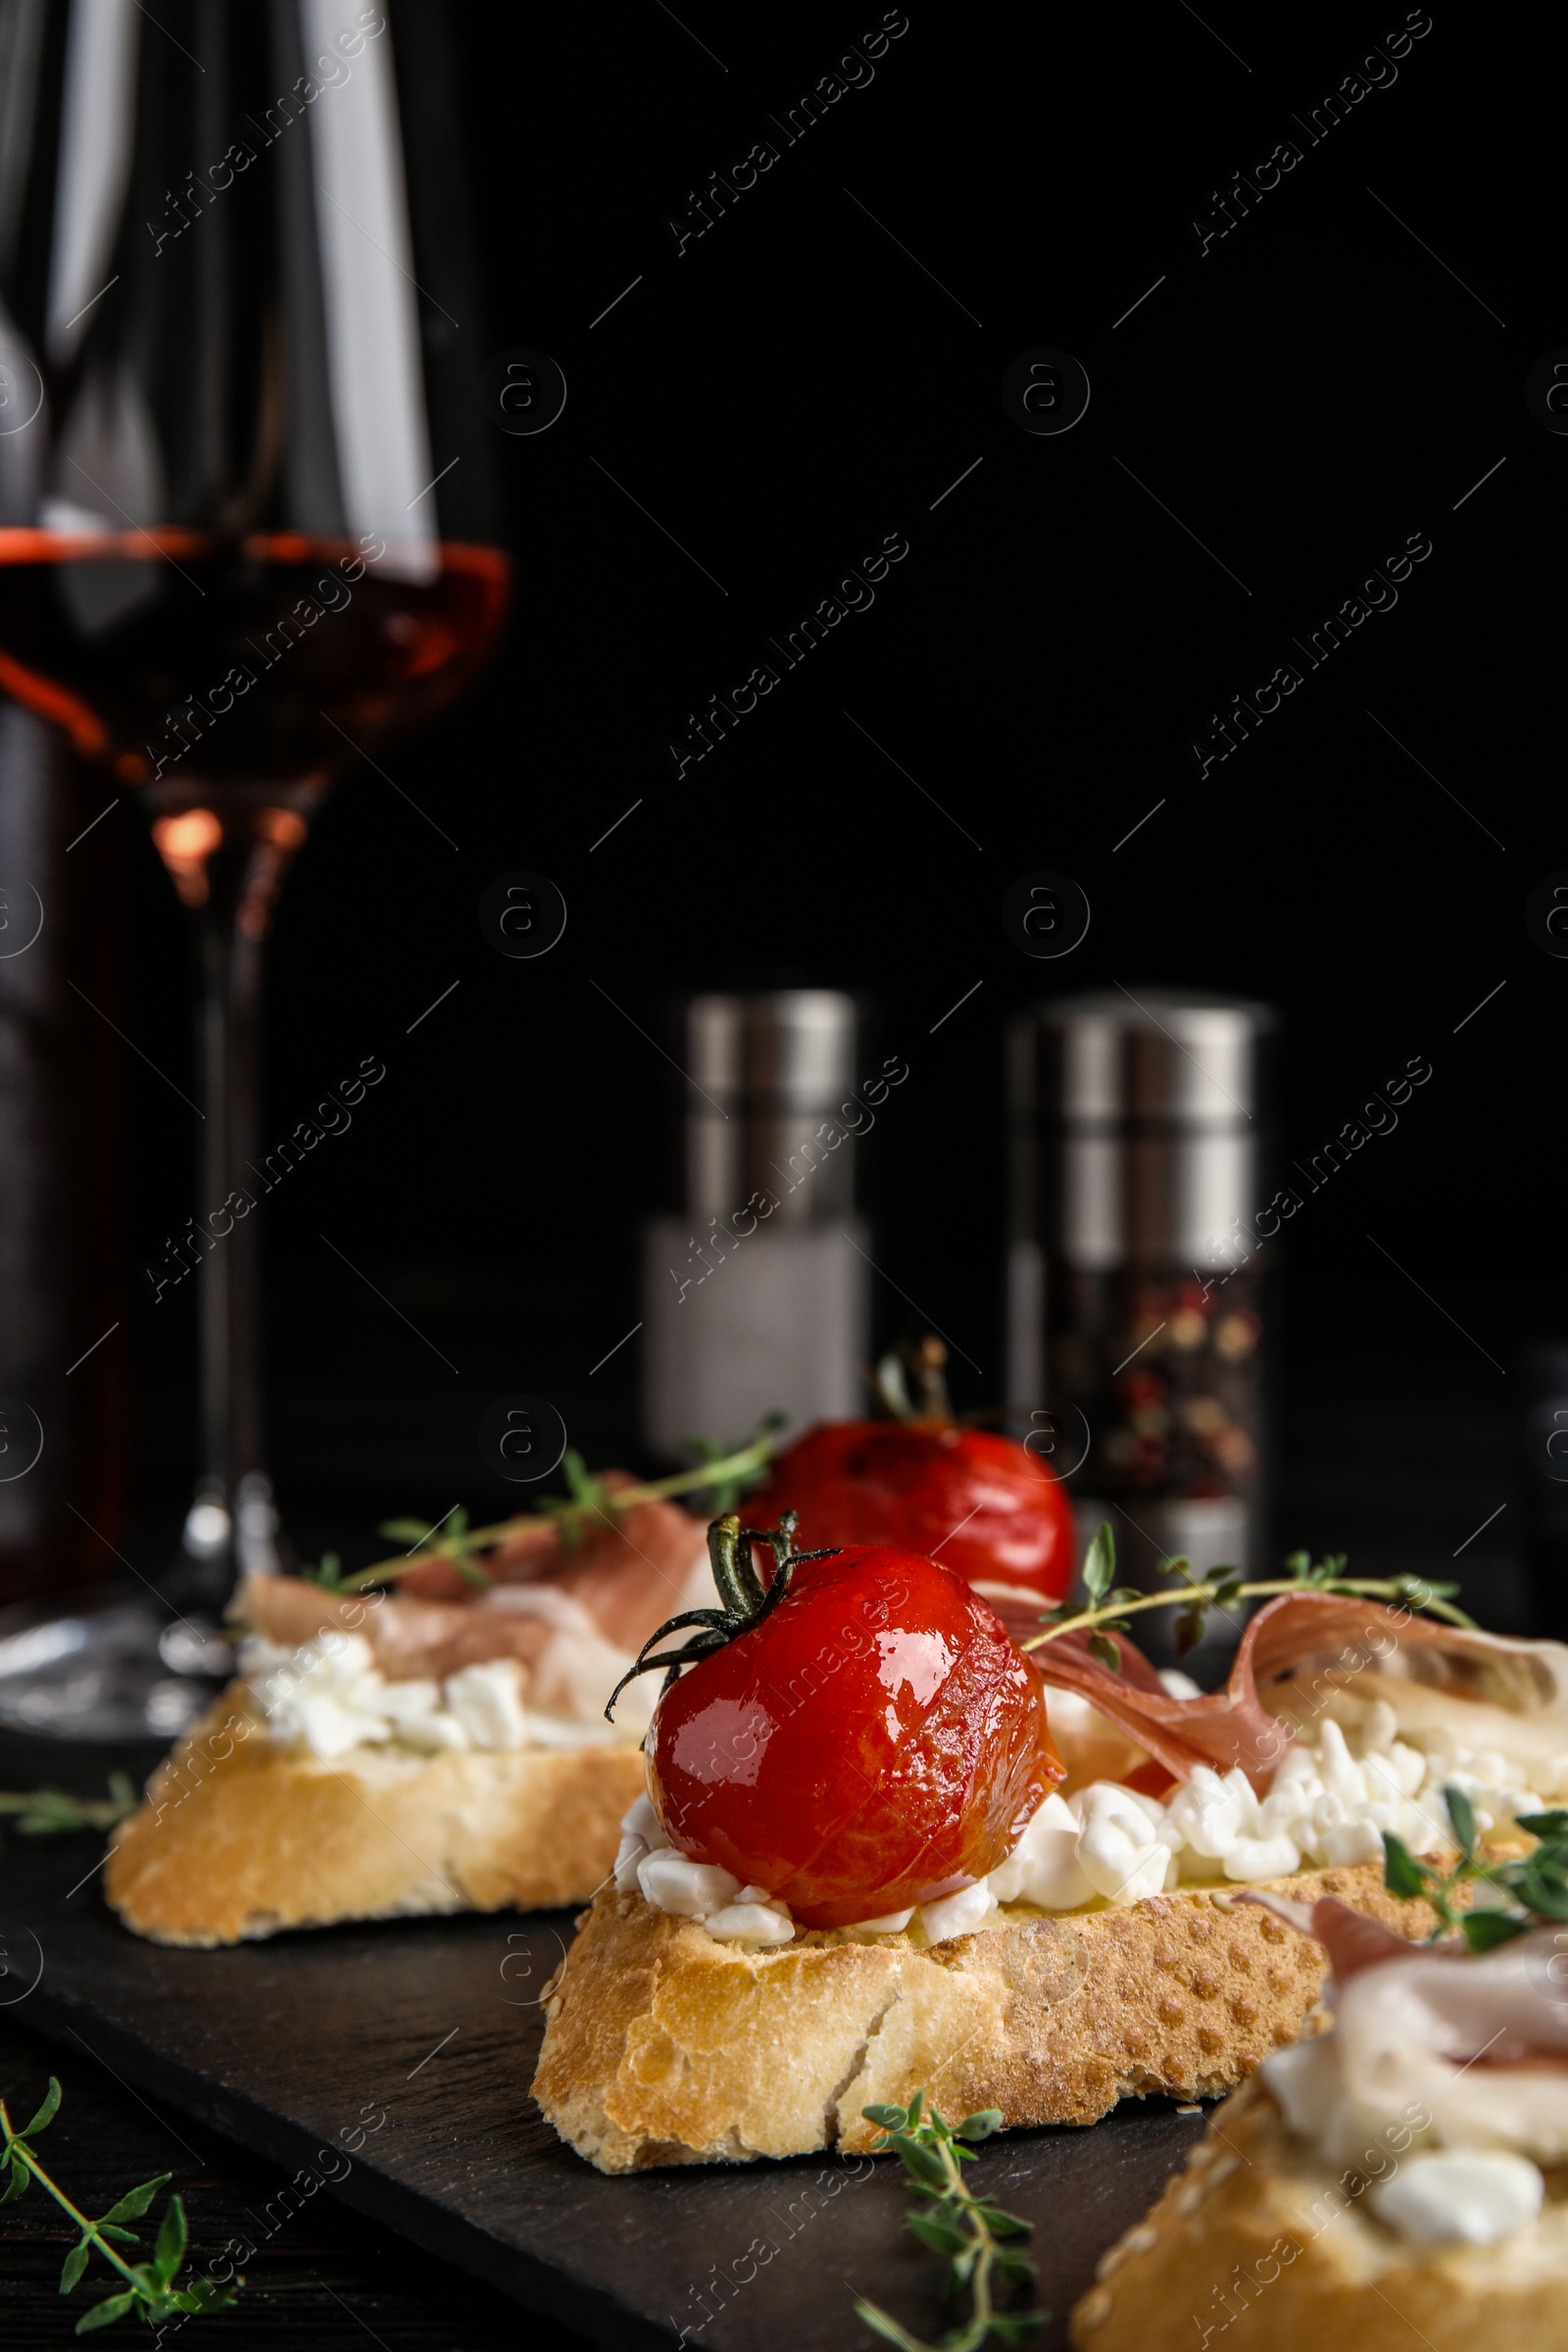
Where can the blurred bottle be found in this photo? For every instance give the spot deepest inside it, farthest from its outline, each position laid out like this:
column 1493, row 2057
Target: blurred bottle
column 63, row 1402
column 756, row 1269
column 1137, row 1295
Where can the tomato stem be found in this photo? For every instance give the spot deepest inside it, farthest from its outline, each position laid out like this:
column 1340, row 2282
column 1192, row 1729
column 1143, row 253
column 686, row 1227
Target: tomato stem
column 740, row 1588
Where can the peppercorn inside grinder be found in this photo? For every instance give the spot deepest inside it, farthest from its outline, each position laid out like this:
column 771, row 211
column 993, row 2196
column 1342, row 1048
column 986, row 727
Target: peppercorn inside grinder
column 1142, row 1273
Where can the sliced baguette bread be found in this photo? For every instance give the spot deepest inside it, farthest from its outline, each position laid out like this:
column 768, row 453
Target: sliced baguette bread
column 1260, row 2241
column 241, row 1836
column 664, row 2045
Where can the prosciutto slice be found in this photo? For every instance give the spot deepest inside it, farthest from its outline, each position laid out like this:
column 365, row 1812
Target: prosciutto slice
column 614, row 1589
column 1221, row 1727
column 1308, row 1652
column 1305, row 1649
column 1476, row 2046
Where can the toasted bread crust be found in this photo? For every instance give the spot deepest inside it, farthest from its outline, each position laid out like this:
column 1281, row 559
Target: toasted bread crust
column 240, row 1836
column 663, row 2046
column 1258, row 2238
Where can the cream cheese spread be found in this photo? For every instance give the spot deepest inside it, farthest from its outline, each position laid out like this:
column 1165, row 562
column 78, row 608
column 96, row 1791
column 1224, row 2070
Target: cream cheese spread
column 328, row 1698
column 1465, row 2058
column 1108, row 1844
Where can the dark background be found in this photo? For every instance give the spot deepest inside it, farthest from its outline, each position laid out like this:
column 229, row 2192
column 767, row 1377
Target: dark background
column 793, row 387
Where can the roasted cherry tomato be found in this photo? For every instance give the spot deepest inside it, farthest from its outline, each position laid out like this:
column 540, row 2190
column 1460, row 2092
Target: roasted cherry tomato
column 979, row 1503
column 871, row 1738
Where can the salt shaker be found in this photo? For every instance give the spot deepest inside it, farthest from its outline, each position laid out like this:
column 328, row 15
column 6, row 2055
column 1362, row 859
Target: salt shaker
column 756, row 1267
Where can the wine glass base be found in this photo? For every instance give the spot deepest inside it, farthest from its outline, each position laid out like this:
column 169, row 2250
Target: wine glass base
column 116, row 1667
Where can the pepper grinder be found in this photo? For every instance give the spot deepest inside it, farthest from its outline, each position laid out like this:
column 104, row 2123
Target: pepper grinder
column 755, row 1277
column 1139, row 1270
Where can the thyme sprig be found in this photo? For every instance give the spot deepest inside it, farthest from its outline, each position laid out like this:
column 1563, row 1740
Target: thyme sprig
column 968, row 2229
column 150, row 2287
column 1533, row 1887
column 723, row 1476
column 52, row 1813
column 1108, row 1610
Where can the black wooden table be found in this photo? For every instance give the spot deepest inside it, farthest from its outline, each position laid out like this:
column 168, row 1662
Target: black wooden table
column 332, row 2281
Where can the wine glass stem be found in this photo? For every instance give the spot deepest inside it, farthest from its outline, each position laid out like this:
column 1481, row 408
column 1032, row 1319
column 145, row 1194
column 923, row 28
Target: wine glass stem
column 228, row 862
column 229, row 1019
column 231, row 1526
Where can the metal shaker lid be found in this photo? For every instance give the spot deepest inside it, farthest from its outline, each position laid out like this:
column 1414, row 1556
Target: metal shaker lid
column 1139, row 1118
column 760, row 1075
column 792, row 1048
column 1167, row 1056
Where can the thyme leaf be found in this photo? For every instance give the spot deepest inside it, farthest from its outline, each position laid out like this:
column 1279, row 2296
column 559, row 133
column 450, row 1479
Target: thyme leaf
column 151, row 2286
column 1528, row 1890
column 52, row 1813
column 967, row 2230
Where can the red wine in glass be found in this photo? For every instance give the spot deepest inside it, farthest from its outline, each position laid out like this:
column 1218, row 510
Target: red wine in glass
column 246, row 661
column 247, row 530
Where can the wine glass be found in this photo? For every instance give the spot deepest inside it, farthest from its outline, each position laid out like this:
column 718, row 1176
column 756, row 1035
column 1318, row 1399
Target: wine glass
column 246, row 522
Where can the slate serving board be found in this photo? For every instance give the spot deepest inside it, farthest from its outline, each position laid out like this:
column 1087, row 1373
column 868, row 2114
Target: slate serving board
column 404, row 2052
